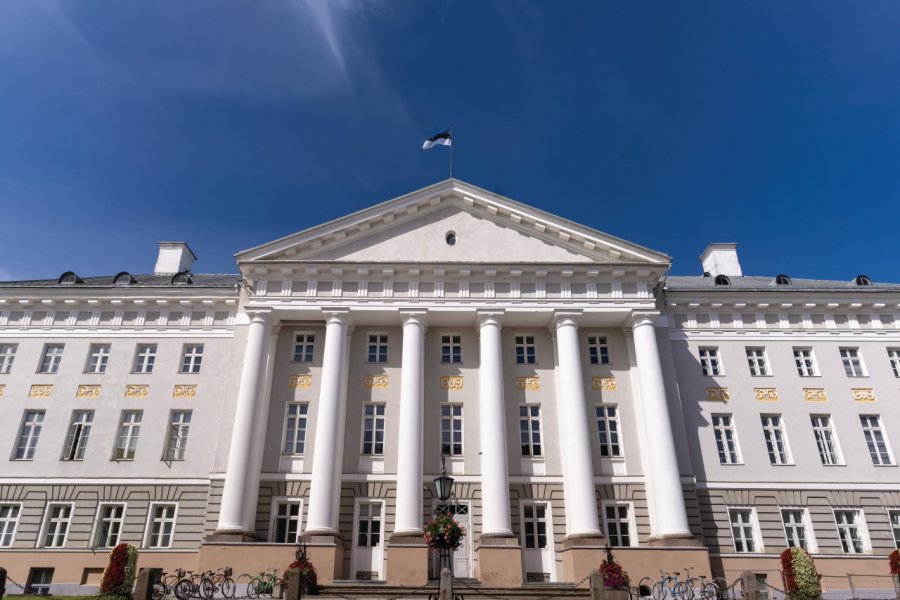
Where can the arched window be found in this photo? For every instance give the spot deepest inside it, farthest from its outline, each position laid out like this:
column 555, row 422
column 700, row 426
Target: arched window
column 707, row 274
column 722, row 280
column 124, row 278
column 863, row 280
column 70, row 278
column 182, row 278
column 783, row 280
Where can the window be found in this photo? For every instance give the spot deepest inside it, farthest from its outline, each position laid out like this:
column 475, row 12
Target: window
column 451, row 349
column 776, row 440
column 286, row 528
column 895, row 526
column 782, row 280
column 369, row 525
column 162, row 525
column 726, row 440
column 756, row 358
column 863, row 280
column 451, row 429
column 722, row 280
column 98, row 358
column 608, row 430
column 32, row 422
column 304, row 347
column 743, row 530
column 373, row 429
column 598, row 350
column 182, row 278
column 534, row 519
column 56, row 525
column 378, row 348
column 179, row 427
column 851, row 530
column 39, row 581
column 51, row 358
column 530, row 430
column 192, row 357
column 795, row 529
column 875, row 440
column 709, row 361
column 618, row 525
column 806, row 362
column 524, row 349
column 9, row 519
column 295, row 428
column 7, row 355
column 129, row 431
column 110, row 518
column 853, row 365
column 79, row 431
column 826, row 440
column 144, row 358
column 893, row 355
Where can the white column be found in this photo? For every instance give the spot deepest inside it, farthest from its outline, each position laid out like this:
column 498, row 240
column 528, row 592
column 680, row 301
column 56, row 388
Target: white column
column 494, row 467
column 238, row 474
column 325, row 488
column 575, row 442
column 662, row 462
column 409, row 447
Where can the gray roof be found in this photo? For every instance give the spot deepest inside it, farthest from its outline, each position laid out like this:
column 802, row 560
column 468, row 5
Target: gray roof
column 767, row 284
column 141, row 281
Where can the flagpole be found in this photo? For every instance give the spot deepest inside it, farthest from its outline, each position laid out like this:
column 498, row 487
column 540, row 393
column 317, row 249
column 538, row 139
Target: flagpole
column 451, row 151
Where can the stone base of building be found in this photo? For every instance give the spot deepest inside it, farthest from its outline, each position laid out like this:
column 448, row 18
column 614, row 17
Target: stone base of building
column 326, row 552
column 234, row 537
column 499, row 562
column 407, row 560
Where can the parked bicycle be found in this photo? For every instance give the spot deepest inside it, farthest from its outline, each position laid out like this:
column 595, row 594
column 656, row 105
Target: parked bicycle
column 166, row 584
column 703, row 589
column 668, row 586
column 218, row 581
column 267, row 583
column 190, row 585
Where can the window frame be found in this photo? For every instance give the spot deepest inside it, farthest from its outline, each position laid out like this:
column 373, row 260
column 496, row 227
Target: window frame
column 451, row 349
column 308, row 346
column 839, row 455
column 15, row 524
column 102, row 364
column 382, row 517
column 629, row 520
column 598, row 349
column 862, row 525
column 739, row 459
column 376, row 418
column 192, row 366
column 304, row 415
column 453, row 420
column 51, row 368
column 177, row 440
column 609, row 434
column 379, row 350
column 273, row 518
column 31, row 436
column 799, row 361
column 895, row 525
column 754, row 362
column 149, row 362
column 884, row 438
column 548, row 524
column 79, row 446
column 531, row 431
column 893, row 358
column 806, row 521
column 759, row 547
column 95, row 530
column 847, row 361
column 136, row 438
column 7, row 357
column 525, row 352
column 706, row 366
column 46, row 522
column 148, row 528
column 785, row 457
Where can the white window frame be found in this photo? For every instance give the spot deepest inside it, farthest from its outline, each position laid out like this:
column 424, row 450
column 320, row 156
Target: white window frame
column 894, row 520
column 49, row 363
column 132, row 439
column 95, row 530
column 45, row 525
column 379, row 348
column 759, row 548
column 78, row 446
column 191, row 358
column 861, row 524
column 98, row 359
column 806, row 521
column 144, row 358
column 805, row 361
column 854, row 366
column 531, row 430
column 610, row 445
column 870, row 431
column 632, row 525
column 758, row 361
column 451, row 348
column 149, row 526
column 893, row 357
column 31, row 441
column 299, row 433
column 7, row 357
column 548, row 518
column 839, row 456
column 376, row 419
column 274, row 518
column 598, row 349
column 710, row 361
column 776, row 457
column 457, row 424
column 525, row 352
column 717, row 430
column 381, row 529
column 177, row 434
column 8, row 529
column 304, row 347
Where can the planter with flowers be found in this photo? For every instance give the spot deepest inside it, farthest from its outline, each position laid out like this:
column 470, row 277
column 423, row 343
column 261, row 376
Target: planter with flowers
column 801, row 580
column 895, row 570
column 307, row 579
column 118, row 578
column 445, row 535
column 610, row 581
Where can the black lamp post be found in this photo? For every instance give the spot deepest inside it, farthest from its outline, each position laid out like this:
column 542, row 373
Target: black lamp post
column 443, row 486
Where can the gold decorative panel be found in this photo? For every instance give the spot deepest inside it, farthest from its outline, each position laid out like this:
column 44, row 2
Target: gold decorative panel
column 451, row 382
column 88, row 391
column 40, row 391
column 2, row 389
column 377, row 382
column 815, row 395
column 766, row 394
column 137, row 391
column 300, row 381
column 603, row 383
column 717, row 394
column 184, row 391
column 863, row 394
column 528, row 383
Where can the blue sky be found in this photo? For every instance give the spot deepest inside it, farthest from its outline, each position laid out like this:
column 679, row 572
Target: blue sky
column 227, row 124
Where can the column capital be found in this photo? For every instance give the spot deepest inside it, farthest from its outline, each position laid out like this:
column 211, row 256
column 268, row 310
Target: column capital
column 414, row 316
column 337, row 315
column 262, row 316
column 489, row 317
column 565, row 318
column 639, row 319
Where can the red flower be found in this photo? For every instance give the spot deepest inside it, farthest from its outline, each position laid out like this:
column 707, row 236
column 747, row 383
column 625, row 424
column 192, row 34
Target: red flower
column 787, row 567
column 895, row 562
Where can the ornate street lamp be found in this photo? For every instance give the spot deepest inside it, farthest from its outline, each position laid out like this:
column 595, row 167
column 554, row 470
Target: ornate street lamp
column 443, row 485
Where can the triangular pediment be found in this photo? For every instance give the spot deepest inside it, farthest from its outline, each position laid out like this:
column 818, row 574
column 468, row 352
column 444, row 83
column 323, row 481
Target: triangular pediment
column 486, row 227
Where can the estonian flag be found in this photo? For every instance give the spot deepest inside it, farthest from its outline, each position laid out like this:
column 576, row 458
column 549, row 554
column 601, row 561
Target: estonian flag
column 442, row 138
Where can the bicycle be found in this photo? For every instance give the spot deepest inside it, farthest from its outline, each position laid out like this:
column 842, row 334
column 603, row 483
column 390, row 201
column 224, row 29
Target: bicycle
column 706, row 590
column 667, row 586
column 166, row 584
column 190, row 585
column 217, row 581
column 264, row 584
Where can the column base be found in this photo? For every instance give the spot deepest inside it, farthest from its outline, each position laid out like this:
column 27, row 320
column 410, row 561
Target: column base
column 407, row 560
column 580, row 555
column 500, row 561
column 326, row 553
column 230, row 536
column 676, row 540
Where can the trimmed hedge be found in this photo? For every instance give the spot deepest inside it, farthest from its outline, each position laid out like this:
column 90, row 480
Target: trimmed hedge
column 118, row 578
column 801, row 580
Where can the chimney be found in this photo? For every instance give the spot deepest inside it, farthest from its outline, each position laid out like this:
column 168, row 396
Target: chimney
column 174, row 257
column 721, row 259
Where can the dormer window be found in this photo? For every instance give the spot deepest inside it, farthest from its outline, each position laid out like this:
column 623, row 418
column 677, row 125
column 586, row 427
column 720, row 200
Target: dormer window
column 783, row 280
column 182, row 278
column 722, row 280
column 124, row 278
column 69, row 278
column 863, row 280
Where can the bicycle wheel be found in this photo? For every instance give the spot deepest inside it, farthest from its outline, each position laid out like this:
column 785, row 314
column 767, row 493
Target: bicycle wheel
column 695, row 584
column 207, row 588
column 645, row 588
column 659, row 591
column 158, row 592
column 722, row 588
column 683, row 592
column 253, row 588
column 710, row 591
column 228, row 587
column 184, row 589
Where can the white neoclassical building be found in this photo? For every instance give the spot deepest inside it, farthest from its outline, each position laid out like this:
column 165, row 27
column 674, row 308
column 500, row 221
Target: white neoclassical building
column 581, row 398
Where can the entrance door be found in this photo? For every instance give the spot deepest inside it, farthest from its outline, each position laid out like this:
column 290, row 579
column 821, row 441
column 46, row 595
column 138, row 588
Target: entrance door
column 462, row 556
column 537, row 542
column 368, row 541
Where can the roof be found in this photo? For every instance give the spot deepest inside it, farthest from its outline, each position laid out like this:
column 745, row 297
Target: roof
column 141, row 281
column 767, row 284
